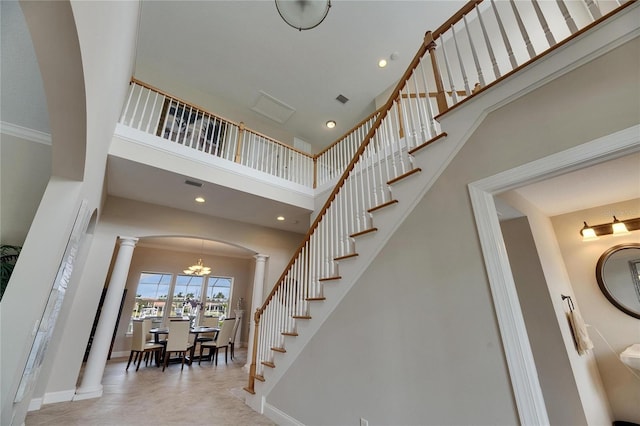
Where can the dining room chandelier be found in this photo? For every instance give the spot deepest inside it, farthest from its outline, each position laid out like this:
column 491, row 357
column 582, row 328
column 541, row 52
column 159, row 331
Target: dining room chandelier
column 198, row 269
column 303, row 14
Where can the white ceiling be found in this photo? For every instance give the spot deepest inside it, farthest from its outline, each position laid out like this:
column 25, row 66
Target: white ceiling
column 233, row 50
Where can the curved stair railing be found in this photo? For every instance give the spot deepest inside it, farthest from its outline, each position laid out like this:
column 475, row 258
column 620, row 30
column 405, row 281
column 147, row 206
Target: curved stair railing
column 475, row 53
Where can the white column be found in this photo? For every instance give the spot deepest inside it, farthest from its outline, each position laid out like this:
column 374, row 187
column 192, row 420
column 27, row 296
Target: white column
column 91, row 386
column 256, row 302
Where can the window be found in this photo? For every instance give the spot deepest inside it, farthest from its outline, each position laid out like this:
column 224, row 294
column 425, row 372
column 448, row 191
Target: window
column 186, row 287
column 164, row 295
column 151, row 295
column 218, row 296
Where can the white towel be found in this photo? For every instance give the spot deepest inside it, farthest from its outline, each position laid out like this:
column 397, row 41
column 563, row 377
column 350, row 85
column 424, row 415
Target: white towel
column 580, row 333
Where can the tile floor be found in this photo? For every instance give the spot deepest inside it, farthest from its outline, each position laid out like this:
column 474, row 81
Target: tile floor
column 200, row 395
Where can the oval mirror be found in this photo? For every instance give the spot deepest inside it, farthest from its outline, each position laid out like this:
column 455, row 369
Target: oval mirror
column 618, row 276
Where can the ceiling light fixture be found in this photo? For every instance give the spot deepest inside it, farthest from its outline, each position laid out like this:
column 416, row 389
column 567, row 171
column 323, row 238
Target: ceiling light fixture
column 303, row 14
column 617, row 227
column 280, row 218
column 382, row 63
column 331, row 124
column 198, row 268
column 200, row 200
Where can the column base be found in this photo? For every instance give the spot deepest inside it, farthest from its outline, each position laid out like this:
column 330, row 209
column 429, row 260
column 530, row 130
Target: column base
column 83, row 393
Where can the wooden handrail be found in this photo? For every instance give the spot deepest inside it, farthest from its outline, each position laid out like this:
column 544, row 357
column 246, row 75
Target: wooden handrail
column 182, row 101
column 279, row 143
column 468, row 7
column 384, row 110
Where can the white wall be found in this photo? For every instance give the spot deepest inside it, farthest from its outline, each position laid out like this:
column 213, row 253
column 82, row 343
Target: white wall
column 609, row 326
column 436, row 357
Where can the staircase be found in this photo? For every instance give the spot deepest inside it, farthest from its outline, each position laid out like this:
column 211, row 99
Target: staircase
column 403, row 154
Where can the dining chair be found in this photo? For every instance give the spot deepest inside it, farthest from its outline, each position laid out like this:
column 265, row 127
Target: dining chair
column 140, row 347
column 221, row 340
column 177, row 341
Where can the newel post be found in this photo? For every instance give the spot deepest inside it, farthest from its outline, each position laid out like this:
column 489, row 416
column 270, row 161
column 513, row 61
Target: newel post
column 441, row 98
column 239, row 142
column 254, row 355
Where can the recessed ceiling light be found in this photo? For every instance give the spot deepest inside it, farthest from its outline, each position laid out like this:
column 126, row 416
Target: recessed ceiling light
column 200, row 200
column 382, row 63
column 280, row 218
column 331, row 124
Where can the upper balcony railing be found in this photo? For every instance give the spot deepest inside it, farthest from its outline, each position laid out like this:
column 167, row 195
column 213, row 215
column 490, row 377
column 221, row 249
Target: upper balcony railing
column 155, row 112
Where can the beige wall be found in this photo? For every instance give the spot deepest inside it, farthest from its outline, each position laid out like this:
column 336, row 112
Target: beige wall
column 437, row 357
column 611, row 330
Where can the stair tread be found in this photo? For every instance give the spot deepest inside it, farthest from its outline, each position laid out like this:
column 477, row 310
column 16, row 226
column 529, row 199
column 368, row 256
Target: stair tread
column 346, row 256
column 366, row 231
column 289, row 333
column 281, row 350
column 259, row 377
column 268, row 364
column 404, row 175
column 313, row 299
column 427, row 143
column 301, row 317
column 381, row 206
column 337, row 277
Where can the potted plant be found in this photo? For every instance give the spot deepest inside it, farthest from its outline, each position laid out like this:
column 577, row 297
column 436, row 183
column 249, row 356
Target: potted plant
column 8, row 256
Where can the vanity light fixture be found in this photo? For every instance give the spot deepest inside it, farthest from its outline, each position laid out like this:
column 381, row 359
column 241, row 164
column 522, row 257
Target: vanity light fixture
column 617, row 227
column 588, row 233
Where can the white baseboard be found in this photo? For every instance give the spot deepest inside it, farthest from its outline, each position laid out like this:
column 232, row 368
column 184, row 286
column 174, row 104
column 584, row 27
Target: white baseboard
column 61, row 396
column 279, row 417
column 35, row 404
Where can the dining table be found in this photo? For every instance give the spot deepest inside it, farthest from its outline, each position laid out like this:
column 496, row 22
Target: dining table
column 196, row 331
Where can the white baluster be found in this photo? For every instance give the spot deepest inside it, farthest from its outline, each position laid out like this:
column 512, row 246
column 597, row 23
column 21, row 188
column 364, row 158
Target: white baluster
column 125, row 110
column 452, row 86
column 465, row 80
column 543, row 23
column 431, row 129
column 474, row 53
column 568, row 19
column 494, row 62
column 505, row 38
column 135, row 107
column 152, row 114
column 144, row 110
column 523, row 30
column 593, row 9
